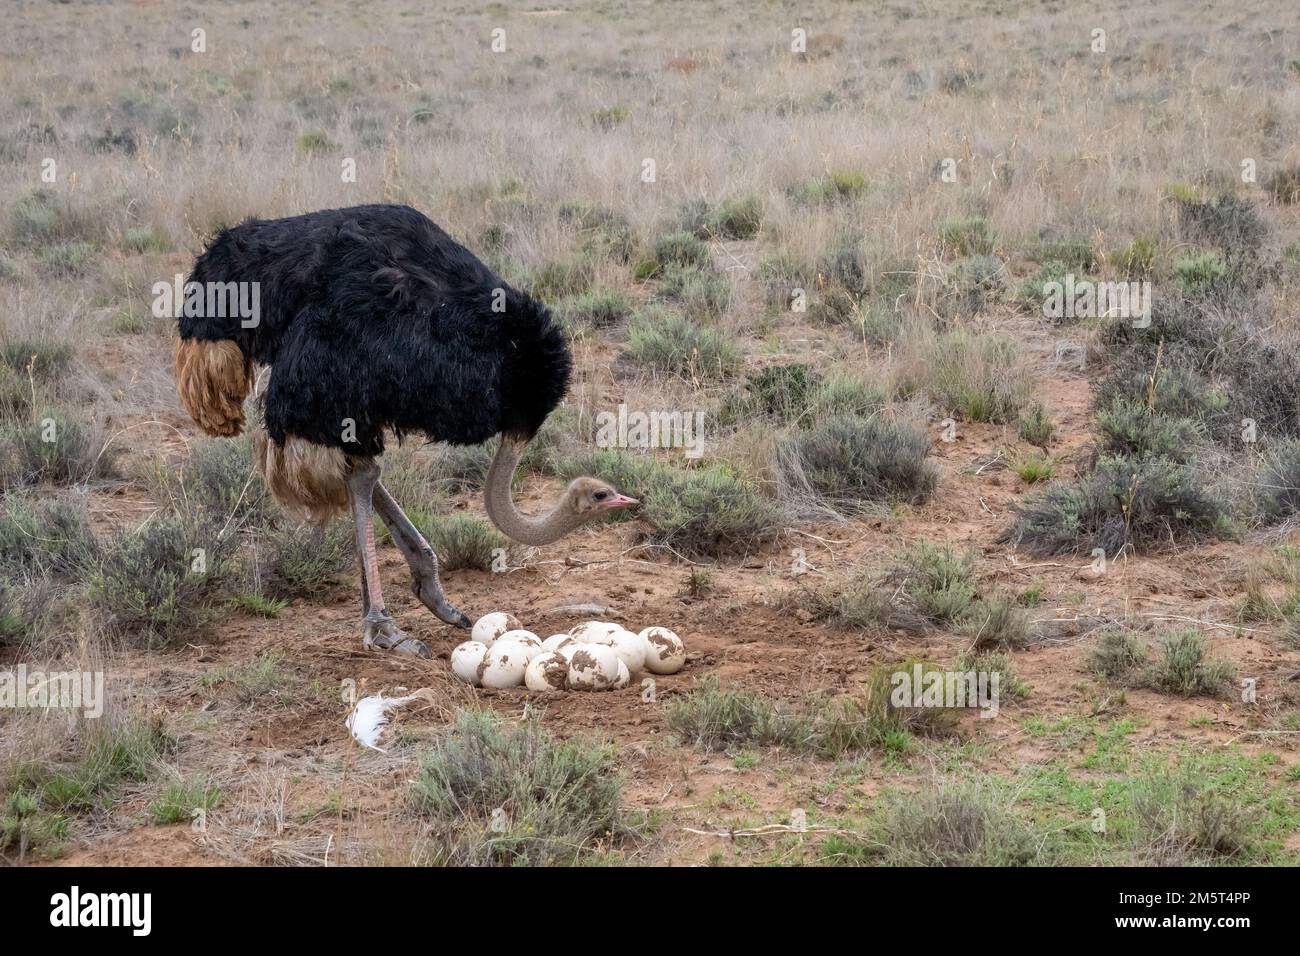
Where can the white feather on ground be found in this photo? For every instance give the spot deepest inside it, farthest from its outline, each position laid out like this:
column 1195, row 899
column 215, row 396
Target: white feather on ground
column 369, row 717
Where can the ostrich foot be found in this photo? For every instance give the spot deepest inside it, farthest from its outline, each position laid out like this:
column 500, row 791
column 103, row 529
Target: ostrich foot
column 381, row 631
column 429, row 592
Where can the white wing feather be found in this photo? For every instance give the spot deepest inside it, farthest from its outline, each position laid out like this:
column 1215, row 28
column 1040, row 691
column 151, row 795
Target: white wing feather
column 370, row 716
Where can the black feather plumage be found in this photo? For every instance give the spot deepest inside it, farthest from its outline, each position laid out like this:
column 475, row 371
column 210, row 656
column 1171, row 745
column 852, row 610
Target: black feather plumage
column 375, row 316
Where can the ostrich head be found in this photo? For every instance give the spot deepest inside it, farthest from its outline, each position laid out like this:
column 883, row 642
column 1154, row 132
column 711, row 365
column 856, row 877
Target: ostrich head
column 583, row 500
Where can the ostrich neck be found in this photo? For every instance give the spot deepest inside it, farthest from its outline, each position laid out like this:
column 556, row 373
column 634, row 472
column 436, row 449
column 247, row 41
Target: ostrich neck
column 523, row 528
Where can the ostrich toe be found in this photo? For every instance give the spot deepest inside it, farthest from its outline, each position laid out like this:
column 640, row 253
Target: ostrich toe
column 381, row 631
column 430, row 595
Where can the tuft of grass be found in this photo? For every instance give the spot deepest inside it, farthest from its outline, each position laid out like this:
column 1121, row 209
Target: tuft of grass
column 464, row 541
column 701, row 294
column 928, row 584
column 595, row 309
column 953, row 824
column 712, row 717
column 183, row 800
column 304, row 559
column 1010, row 686
column 967, row 236
column 850, row 462
column 1035, row 427
column 736, row 217
column 672, row 344
column 68, row 259
column 57, row 446
column 43, row 796
column 995, row 623
column 607, row 118
column 1139, row 503
column 682, row 249
column 1279, row 481
column 975, row 377
column 315, row 142
column 1185, row 668
column 1033, row 468
column 157, row 585
column 218, row 480
column 259, row 605
column 1116, row 655
column 504, row 793
column 1200, row 271
column 1181, row 817
column 839, row 185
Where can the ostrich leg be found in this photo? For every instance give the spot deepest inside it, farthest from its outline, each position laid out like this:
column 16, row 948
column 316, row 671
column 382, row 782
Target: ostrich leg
column 420, row 557
column 378, row 629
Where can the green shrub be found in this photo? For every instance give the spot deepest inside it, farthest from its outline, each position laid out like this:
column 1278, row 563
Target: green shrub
column 304, row 559
column 736, row 217
column 840, row 185
column 183, row 799
column 315, row 142
column 53, row 536
column 712, row 717
column 1035, row 427
column 609, row 117
column 708, row 512
column 555, row 802
column 679, row 249
column 670, row 343
column 597, row 309
column 977, row 377
column 464, row 541
column 1199, row 271
column 1279, row 481
column 156, row 586
column 962, row 824
column 1139, row 503
column 1033, row 468
column 56, row 446
column 1184, row 667
column 939, row 579
column 995, row 623
column 853, row 461
column 701, row 294
column 1075, row 254
column 1116, row 654
column 967, row 236
column 220, row 481
column 1284, row 184
column 1129, row 429
column 1181, row 818
column 564, row 278
column 47, row 359
column 779, row 392
column 969, row 285
column 68, row 259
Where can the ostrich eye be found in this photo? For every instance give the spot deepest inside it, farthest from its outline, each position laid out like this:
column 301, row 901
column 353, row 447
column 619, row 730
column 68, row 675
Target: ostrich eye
column 601, row 495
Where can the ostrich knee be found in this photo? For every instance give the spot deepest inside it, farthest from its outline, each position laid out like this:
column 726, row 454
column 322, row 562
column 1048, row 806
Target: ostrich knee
column 378, row 629
column 419, row 556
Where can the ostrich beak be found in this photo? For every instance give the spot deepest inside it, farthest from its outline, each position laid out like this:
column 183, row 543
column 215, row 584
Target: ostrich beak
column 620, row 501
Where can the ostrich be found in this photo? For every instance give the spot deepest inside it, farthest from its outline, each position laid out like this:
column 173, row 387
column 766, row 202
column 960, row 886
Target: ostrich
column 373, row 318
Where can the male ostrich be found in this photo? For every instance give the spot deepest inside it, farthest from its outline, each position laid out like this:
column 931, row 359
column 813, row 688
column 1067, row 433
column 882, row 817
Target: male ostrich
column 373, row 318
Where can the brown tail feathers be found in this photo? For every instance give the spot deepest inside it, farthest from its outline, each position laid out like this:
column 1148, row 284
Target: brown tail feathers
column 213, row 378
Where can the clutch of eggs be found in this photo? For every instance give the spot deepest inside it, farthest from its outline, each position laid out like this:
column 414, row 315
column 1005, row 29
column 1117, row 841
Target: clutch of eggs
column 594, row 655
